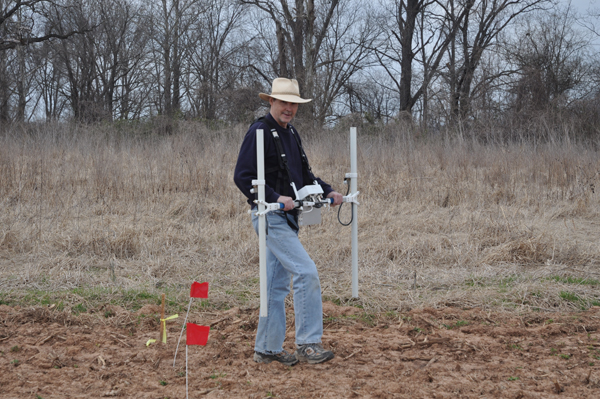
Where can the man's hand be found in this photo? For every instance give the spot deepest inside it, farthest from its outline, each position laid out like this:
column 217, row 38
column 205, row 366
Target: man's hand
column 288, row 202
column 337, row 198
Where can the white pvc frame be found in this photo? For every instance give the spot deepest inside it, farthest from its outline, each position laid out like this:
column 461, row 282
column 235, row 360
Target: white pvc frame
column 262, row 218
column 264, row 208
column 354, row 193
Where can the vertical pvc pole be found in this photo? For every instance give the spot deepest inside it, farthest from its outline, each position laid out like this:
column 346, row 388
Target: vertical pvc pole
column 354, row 189
column 186, row 370
column 262, row 236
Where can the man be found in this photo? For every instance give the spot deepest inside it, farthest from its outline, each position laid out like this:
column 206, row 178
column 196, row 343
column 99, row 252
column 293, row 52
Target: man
column 286, row 257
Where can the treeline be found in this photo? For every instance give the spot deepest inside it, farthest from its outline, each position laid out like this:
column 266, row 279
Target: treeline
column 519, row 68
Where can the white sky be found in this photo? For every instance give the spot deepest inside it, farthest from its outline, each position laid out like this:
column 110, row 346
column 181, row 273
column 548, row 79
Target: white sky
column 582, row 5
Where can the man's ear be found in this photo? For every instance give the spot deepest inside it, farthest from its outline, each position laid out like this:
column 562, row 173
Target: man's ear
column 271, row 100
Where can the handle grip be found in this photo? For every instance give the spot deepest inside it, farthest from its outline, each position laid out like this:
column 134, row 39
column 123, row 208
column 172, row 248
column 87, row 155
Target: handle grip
column 297, row 204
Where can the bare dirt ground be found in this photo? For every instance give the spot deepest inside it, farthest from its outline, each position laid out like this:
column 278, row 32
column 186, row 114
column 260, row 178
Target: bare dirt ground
column 427, row 353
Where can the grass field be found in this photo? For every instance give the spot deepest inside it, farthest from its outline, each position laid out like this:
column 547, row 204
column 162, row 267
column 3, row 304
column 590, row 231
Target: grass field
column 96, row 215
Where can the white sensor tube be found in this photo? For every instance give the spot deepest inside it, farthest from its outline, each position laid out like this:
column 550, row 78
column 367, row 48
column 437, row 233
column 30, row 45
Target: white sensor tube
column 262, row 234
column 354, row 189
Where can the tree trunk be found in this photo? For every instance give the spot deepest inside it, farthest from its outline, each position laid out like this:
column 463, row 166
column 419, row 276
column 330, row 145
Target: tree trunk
column 4, row 91
column 413, row 8
column 281, row 47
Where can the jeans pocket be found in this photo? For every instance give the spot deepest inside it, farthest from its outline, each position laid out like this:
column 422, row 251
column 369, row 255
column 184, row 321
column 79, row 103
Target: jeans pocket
column 276, row 219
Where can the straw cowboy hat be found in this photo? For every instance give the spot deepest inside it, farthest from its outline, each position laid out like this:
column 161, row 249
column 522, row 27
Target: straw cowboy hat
column 285, row 90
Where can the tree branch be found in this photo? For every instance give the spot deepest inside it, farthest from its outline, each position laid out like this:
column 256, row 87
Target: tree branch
column 8, row 44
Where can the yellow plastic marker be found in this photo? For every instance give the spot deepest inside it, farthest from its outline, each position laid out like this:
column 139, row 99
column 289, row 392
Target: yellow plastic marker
column 164, row 327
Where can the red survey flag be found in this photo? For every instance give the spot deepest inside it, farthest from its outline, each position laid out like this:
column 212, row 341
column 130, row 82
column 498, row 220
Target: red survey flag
column 199, row 290
column 196, row 335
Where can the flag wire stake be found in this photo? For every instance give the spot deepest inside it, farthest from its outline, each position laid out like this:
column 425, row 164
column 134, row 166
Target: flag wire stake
column 186, row 371
column 181, row 335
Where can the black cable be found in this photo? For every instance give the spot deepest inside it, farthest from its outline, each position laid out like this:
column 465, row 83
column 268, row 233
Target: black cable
column 340, row 209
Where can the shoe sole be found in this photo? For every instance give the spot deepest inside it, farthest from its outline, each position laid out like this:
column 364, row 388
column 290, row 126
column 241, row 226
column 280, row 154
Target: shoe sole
column 266, row 360
column 304, row 359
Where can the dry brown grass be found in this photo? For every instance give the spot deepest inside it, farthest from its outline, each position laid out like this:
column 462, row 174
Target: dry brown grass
column 494, row 226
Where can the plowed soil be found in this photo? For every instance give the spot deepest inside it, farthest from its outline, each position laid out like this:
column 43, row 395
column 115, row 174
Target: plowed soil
column 426, row 353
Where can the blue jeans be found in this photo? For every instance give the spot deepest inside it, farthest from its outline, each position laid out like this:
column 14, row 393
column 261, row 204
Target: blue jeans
column 286, row 257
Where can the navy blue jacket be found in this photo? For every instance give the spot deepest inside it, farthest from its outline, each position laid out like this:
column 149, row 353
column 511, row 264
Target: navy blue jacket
column 246, row 169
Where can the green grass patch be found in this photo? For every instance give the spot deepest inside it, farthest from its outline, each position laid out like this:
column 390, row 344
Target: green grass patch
column 83, row 299
column 505, row 283
column 59, row 299
column 369, row 319
column 475, row 282
column 576, row 299
column 574, row 280
column 569, row 296
column 37, row 298
column 93, row 294
column 241, row 295
column 336, row 301
column 78, row 309
column 391, row 314
column 458, row 324
column 135, row 299
column 205, row 304
column 214, row 375
column 366, row 318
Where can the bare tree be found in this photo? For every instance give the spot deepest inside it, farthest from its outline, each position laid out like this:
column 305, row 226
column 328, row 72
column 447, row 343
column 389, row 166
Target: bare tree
column 398, row 48
column 5, row 88
column 49, row 81
column 299, row 36
column 123, row 41
column 321, row 43
column 101, row 67
column 369, row 100
column 32, row 26
column 344, row 55
column 216, row 44
column 22, row 23
column 478, row 32
column 170, row 19
column 550, row 56
column 415, row 40
column 78, row 57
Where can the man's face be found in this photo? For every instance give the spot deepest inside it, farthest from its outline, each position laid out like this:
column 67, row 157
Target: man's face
column 282, row 111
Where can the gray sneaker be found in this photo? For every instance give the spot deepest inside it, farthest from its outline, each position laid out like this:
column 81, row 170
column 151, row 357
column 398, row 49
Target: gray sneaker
column 289, row 359
column 313, row 353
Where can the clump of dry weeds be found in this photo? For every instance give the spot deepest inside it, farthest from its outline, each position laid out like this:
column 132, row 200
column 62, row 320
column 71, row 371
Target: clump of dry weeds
column 440, row 223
